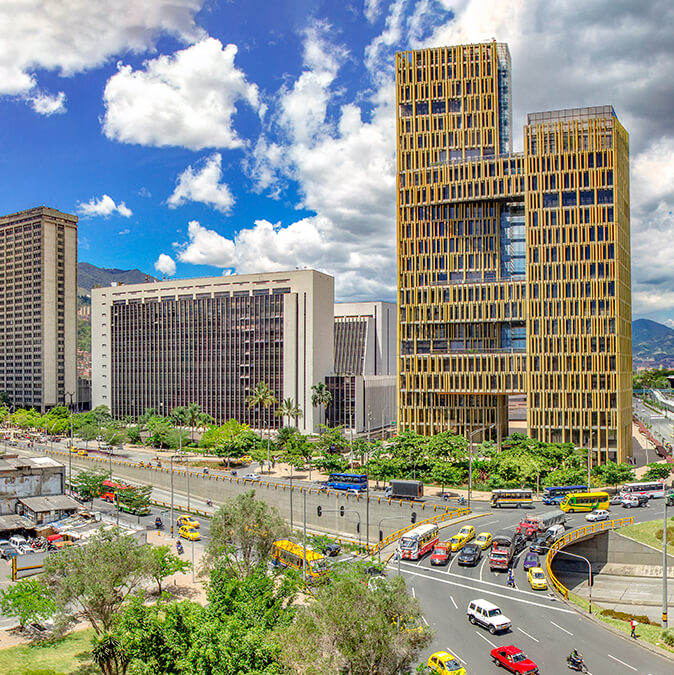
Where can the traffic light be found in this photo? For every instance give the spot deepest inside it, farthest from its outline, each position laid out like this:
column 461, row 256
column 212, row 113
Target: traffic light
column 413, row 519
column 341, row 510
column 358, row 527
column 319, row 510
column 381, row 535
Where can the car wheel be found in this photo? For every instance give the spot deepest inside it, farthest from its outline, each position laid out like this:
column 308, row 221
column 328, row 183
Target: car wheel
column 572, row 510
column 492, row 630
column 496, row 661
column 471, row 618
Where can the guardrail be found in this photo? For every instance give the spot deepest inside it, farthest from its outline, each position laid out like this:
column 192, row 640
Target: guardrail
column 575, row 535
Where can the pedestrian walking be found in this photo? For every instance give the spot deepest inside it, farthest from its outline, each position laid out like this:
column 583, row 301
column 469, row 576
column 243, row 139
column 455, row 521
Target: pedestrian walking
column 633, row 626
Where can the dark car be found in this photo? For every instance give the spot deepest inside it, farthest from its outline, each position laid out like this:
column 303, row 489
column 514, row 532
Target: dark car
column 530, row 560
column 541, row 543
column 629, row 501
column 519, row 543
column 470, row 554
column 332, row 550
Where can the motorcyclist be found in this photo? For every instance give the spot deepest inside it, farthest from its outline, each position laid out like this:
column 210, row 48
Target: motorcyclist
column 179, row 547
column 575, row 658
column 158, row 523
column 511, row 577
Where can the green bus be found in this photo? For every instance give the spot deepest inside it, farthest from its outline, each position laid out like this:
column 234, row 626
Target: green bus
column 584, row 501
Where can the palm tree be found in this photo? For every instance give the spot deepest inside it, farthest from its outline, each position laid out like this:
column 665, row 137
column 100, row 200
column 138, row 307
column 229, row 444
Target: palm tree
column 262, row 395
column 321, row 396
column 289, row 409
column 195, row 417
column 109, row 655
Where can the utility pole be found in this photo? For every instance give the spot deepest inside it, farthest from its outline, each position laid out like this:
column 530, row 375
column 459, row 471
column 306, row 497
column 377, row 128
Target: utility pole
column 70, row 449
column 304, row 540
column 669, row 500
column 171, row 465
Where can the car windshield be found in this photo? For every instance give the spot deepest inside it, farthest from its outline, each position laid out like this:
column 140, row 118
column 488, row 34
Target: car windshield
column 495, row 612
column 457, row 537
column 538, row 575
column 407, row 542
column 519, row 657
column 440, row 549
column 452, row 664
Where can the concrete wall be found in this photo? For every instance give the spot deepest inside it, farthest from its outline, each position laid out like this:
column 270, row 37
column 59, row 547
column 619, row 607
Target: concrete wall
column 29, row 483
column 613, row 553
column 217, row 489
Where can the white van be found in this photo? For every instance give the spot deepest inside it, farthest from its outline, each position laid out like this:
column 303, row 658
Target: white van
column 487, row 614
column 556, row 531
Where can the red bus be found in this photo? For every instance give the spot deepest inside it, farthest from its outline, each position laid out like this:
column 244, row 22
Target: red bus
column 109, row 489
column 419, row 541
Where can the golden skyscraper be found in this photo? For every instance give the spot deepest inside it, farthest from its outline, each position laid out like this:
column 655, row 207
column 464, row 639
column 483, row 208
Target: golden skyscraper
column 513, row 268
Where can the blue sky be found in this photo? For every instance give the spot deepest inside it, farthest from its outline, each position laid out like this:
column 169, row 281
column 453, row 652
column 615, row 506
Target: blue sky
column 202, row 137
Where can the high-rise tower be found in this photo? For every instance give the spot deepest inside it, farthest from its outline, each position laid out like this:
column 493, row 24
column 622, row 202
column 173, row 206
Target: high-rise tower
column 38, row 308
column 513, row 268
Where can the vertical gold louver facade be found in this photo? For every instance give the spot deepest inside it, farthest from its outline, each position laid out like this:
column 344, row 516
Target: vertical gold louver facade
column 513, row 268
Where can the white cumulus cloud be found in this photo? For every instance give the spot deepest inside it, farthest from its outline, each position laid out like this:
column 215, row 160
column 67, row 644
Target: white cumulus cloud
column 202, row 183
column 185, row 99
column 47, row 104
column 165, row 265
column 73, row 36
column 105, row 206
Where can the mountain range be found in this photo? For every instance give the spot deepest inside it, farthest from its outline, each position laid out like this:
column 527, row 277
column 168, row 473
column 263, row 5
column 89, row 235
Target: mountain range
column 89, row 276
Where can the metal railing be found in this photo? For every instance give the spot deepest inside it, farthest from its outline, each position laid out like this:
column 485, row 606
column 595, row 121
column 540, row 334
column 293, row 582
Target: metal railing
column 576, row 535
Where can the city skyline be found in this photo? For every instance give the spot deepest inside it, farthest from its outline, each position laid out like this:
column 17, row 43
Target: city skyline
column 293, row 164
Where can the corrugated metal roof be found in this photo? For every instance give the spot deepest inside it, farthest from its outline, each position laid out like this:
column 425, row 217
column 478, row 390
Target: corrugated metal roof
column 49, row 503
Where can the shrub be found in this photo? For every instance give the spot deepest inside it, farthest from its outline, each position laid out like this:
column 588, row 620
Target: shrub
column 624, row 616
column 667, row 636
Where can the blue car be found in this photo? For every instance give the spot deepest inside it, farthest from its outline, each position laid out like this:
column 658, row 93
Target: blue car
column 530, row 560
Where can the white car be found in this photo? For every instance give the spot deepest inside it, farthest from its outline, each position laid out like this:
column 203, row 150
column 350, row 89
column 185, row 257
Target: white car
column 598, row 514
column 251, row 476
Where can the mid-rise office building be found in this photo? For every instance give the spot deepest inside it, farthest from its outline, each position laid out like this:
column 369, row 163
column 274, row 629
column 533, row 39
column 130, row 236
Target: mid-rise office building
column 210, row 341
column 363, row 387
column 513, row 268
column 38, row 308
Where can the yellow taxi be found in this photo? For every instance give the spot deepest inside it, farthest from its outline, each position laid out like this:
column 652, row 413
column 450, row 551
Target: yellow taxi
column 444, row 662
column 246, row 459
column 483, row 540
column 82, row 453
column 457, row 542
column 187, row 521
column 537, row 579
column 468, row 531
column 73, row 449
column 189, row 533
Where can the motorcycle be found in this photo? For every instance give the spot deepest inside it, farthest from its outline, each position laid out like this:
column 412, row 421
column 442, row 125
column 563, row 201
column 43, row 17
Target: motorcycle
column 158, row 523
column 577, row 664
column 179, row 548
column 462, row 501
column 209, row 502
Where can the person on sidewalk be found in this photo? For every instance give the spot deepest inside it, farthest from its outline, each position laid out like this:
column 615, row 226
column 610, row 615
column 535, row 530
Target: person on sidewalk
column 633, row 626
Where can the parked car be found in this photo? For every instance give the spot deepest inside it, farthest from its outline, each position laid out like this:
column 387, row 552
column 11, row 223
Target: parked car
column 530, row 560
column 514, row 659
column 332, row 550
column 470, row 554
column 536, row 579
column 598, row 514
column 17, row 541
column 483, row 540
column 251, row 476
column 441, row 555
column 445, row 663
column 632, row 501
column 489, row 615
column 7, row 551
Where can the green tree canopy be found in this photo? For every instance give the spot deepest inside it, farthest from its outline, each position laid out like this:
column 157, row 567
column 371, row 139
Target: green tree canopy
column 613, row 474
column 89, row 484
column 162, row 562
column 27, row 600
column 658, row 471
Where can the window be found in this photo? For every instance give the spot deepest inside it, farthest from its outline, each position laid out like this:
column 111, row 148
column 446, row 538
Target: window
column 586, row 197
column 550, row 199
column 437, row 107
column 605, row 196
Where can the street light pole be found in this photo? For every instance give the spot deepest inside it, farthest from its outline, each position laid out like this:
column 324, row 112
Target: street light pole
column 70, row 449
column 664, row 560
column 171, row 469
column 304, row 540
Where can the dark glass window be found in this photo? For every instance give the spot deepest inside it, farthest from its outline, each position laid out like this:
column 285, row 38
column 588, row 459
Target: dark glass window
column 438, row 106
column 550, row 200
column 586, row 197
column 569, row 198
column 605, row 196
column 422, row 107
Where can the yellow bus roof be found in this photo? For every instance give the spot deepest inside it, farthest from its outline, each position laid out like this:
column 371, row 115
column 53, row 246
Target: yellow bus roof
column 297, row 549
column 588, row 494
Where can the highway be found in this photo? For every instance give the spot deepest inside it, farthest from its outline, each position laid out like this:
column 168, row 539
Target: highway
column 545, row 628
column 662, row 425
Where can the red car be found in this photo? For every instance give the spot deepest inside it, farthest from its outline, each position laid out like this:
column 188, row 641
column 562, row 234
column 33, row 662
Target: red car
column 440, row 555
column 514, row 660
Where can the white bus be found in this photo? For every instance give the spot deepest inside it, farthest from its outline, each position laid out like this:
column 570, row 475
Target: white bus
column 419, row 541
column 651, row 490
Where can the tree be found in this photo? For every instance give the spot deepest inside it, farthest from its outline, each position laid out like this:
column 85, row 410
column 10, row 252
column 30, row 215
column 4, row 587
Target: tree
column 232, row 439
column 657, row 471
column 89, row 484
column 134, row 499
column 5, row 399
column 288, row 408
column 447, row 474
column 613, row 474
column 196, row 417
column 243, row 530
column 379, row 634
column 109, row 654
column 162, row 562
column 27, row 600
column 332, row 439
column 262, row 395
column 320, row 396
column 94, row 579
column 160, row 430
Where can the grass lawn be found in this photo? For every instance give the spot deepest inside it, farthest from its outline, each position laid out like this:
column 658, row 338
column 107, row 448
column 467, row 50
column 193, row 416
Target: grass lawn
column 64, row 656
column 645, row 632
column 651, row 533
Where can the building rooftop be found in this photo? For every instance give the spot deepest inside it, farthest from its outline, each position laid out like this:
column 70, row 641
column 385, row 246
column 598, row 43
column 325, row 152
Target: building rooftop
column 49, row 503
column 569, row 113
column 16, row 463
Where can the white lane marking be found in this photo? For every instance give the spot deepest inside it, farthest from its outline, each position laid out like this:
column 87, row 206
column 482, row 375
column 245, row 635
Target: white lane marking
column 485, row 639
column 504, row 589
column 484, row 590
column 413, row 593
column 458, row 657
column 619, row 661
column 560, row 628
column 484, row 562
column 424, row 619
column 489, row 522
column 454, row 603
column 527, row 634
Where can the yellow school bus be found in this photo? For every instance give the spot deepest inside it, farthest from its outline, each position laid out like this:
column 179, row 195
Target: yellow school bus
column 286, row 553
column 584, row 501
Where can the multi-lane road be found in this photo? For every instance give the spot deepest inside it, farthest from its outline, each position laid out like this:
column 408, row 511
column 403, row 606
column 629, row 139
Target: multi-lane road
column 543, row 626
